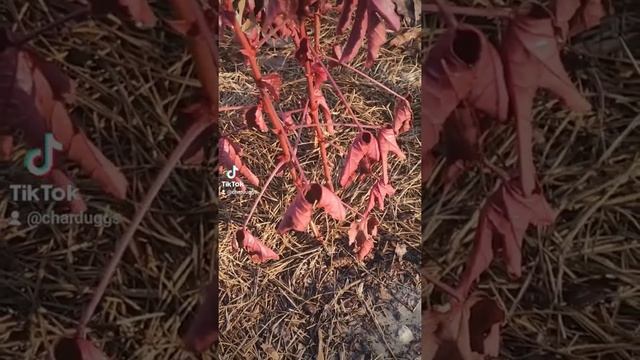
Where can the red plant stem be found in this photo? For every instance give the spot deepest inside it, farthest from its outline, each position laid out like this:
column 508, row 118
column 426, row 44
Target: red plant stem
column 202, row 46
column 385, row 170
column 249, row 53
column 63, row 20
column 376, row 82
column 470, row 11
column 337, row 124
column 264, row 188
column 314, row 116
column 316, row 34
column 341, row 96
column 124, row 242
column 449, row 18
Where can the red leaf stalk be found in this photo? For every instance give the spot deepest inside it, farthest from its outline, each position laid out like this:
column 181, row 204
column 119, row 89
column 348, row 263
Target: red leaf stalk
column 264, row 188
column 124, row 242
column 313, row 103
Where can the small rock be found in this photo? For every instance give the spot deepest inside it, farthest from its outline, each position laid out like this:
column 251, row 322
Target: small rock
column 405, row 335
column 401, row 249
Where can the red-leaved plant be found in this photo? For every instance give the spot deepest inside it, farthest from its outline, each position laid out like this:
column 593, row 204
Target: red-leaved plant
column 467, row 83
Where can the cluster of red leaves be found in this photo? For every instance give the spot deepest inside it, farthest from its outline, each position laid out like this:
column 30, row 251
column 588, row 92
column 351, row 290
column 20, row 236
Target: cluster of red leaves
column 286, row 19
column 467, row 83
column 36, row 93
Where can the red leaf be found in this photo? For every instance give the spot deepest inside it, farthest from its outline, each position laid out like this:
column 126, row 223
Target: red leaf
column 378, row 192
column 386, row 9
column 257, row 250
column 273, row 83
column 324, row 107
column 35, row 91
column 360, row 25
column 138, row 10
column 387, row 142
column 297, row 216
column 254, row 118
column 77, row 349
column 532, row 60
column 466, row 331
column 588, row 16
column 229, row 155
column 501, row 227
column 364, row 147
column 319, row 74
column 327, row 200
column 376, row 36
column 203, row 329
column 402, row 115
column 361, row 235
column 348, row 8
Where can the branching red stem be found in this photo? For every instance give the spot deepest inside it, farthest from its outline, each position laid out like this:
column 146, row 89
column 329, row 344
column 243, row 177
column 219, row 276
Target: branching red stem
column 341, row 96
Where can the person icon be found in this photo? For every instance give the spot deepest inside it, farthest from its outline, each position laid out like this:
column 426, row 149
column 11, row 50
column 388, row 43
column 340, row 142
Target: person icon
column 15, row 219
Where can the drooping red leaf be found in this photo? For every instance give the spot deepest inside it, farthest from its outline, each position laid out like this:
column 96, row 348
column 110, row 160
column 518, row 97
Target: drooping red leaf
column 348, row 7
column 376, row 37
column 229, row 156
column 402, row 115
column 364, row 147
column 203, row 329
column 361, row 234
column 278, row 12
column 253, row 117
column 326, row 112
column 386, row 9
column 378, row 192
column 138, row 10
column 327, row 200
column 35, row 106
column 360, row 25
column 77, row 349
column 575, row 16
column 588, row 16
column 503, row 222
column 272, row 82
column 532, row 61
column 467, row 331
column 387, row 142
column 257, row 250
column 297, row 216
column 372, row 18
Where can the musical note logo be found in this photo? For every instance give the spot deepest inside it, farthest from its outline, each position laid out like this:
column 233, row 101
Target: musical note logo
column 45, row 154
column 231, row 174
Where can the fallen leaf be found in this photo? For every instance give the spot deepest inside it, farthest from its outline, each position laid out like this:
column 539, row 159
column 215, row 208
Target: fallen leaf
column 402, row 115
column 361, row 234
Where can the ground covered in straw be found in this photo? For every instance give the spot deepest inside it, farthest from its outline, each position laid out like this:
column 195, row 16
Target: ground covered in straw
column 132, row 84
column 317, row 301
column 579, row 296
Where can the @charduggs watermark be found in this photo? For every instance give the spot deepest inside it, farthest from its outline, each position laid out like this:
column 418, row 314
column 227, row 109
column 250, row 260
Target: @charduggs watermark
column 36, row 218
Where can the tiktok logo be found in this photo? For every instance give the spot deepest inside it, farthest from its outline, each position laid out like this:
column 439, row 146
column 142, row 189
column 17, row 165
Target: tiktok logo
column 231, row 174
column 45, row 154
